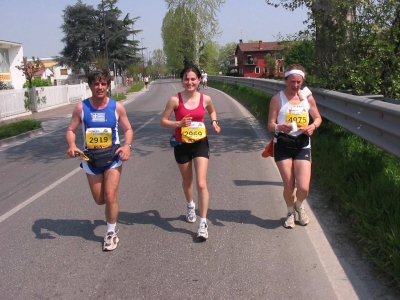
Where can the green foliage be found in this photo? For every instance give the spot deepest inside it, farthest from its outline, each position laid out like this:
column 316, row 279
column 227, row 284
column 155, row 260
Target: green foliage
column 209, row 58
column 177, row 33
column 5, row 86
column 271, row 63
column 30, row 95
column 118, row 97
column 356, row 43
column 38, row 82
column 15, row 128
column 366, row 189
column 302, row 52
column 97, row 38
column 224, row 55
column 198, row 25
column 29, row 68
column 360, row 180
column 136, row 87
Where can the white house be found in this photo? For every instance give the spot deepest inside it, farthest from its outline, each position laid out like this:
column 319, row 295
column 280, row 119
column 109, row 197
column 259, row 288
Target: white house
column 11, row 54
column 53, row 71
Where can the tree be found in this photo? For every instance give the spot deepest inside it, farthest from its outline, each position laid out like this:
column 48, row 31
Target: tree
column 224, row 56
column 114, row 38
column 159, row 62
column 209, row 58
column 178, row 44
column 204, row 23
column 97, row 38
column 356, row 43
column 29, row 68
column 270, row 62
column 82, row 37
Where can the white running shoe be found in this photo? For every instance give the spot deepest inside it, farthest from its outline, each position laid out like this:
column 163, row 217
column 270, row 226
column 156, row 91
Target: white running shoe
column 301, row 216
column 202, row 233
column 289, row 223
column 191, row 214
column 110, row 241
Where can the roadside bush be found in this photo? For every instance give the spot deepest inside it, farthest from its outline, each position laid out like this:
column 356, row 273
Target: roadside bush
column 38, row 82
column 136, row 87
column 5, row 86
column 13, row 129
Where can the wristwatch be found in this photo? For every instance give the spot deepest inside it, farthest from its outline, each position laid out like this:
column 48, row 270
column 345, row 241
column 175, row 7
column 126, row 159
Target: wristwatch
column 129, row 145
column 216, row 121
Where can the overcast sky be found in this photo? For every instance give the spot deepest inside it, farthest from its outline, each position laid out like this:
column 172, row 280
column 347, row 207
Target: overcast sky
column 36, row 24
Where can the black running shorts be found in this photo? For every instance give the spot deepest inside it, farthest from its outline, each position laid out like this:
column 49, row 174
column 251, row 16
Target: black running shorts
column 185, row 152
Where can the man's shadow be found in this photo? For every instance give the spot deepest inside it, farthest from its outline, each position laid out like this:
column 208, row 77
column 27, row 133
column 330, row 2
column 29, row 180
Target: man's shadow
column 44, row 228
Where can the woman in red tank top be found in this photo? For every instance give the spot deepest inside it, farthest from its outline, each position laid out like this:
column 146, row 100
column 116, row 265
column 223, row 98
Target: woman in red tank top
column 192, row 149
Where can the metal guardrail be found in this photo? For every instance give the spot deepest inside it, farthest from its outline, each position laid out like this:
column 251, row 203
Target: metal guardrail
column 373, row 120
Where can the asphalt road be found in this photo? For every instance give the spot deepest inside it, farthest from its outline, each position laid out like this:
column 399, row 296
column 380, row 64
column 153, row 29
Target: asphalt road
column 52, row 230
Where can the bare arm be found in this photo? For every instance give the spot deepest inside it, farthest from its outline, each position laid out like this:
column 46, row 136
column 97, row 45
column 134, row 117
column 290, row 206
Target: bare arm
column 165, row 122
column 211, row 111
column 274, row 107
column 314, row 112
column 73, row 125
column 125, row 150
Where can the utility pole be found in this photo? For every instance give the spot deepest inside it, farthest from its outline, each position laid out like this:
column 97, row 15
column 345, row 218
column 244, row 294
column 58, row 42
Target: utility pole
column 105, row 34
column 142, row 56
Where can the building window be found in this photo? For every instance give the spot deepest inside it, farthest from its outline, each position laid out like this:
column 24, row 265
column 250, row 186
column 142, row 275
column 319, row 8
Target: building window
column 4, row 62
column 63, row 71
column 265, row 69
column 249, row 60
column 280, row 69
column 257, row 70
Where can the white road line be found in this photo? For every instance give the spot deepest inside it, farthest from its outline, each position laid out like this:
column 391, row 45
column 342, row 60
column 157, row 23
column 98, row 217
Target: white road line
column 41, row 193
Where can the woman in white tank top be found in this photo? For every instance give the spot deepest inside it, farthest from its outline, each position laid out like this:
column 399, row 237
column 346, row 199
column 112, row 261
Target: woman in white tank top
column 289, row 118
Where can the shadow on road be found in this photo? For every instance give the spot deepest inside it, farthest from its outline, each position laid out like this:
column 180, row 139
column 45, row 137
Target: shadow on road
column 43, row 228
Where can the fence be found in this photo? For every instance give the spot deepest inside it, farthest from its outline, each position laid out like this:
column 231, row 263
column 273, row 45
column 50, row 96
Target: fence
column 12, row 102
column 370, row 118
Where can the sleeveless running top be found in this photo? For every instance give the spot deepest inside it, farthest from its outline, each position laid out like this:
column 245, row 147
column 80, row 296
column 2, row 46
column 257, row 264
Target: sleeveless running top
column 197, row 114
column 298, row 113
column 99, row 126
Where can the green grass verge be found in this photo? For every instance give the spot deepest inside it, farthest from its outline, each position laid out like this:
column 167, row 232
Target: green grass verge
column 15, row 128
column 119, row 96
column 136, row 87
column 360, row 180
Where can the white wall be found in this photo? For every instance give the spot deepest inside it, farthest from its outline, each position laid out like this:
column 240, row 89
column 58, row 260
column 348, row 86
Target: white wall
column 57, row 73
column 15, row 55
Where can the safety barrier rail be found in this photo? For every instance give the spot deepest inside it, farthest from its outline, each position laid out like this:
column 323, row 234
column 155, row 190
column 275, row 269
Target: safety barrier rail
column 373, row 120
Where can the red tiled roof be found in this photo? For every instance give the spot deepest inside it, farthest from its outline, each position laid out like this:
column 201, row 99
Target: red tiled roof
column 40, row 72
column 254, row 47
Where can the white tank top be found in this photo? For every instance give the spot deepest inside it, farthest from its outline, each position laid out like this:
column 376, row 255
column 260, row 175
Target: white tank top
column 298, row 113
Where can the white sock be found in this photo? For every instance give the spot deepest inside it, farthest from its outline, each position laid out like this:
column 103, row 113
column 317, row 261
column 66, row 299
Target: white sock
column 290, row 210
column 191, row 204
column 299, row 204
column 111, row 227
column 203, row 220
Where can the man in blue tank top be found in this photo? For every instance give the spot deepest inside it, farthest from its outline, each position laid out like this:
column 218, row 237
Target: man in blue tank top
column 100, row 116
